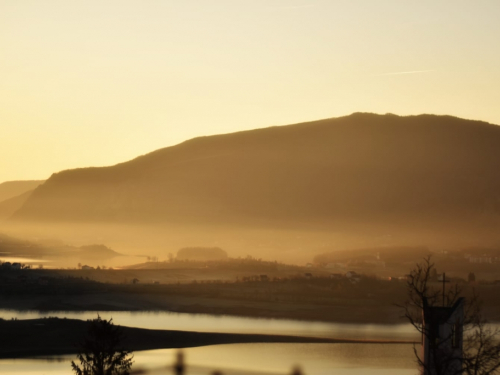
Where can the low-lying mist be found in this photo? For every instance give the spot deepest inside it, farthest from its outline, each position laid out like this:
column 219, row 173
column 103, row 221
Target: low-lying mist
column 134, row 243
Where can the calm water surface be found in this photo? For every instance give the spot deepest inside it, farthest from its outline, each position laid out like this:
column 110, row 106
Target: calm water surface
column 242, row 359
column 231, row 324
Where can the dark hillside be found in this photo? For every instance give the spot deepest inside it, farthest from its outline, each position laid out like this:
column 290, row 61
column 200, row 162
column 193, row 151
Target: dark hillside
column 363, row 168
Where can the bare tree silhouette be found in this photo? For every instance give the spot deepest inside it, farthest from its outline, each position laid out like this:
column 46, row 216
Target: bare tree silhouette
column 479, row 348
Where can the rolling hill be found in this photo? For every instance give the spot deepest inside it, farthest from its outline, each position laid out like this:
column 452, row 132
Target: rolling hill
column 363, row 168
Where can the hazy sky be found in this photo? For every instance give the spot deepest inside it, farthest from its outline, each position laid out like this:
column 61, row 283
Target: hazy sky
column 91, row 83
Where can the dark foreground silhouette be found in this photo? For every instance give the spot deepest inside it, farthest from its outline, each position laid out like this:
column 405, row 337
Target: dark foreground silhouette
column 53, row 336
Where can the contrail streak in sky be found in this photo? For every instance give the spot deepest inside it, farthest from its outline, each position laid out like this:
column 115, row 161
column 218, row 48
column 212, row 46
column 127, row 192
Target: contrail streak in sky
column 294, row 7
column 398, row 73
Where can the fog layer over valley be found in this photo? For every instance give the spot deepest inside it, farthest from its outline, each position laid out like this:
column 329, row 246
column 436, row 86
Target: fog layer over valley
column 285, row 193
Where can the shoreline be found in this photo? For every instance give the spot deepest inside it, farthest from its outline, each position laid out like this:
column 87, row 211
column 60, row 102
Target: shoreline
column 195, row 305
column 53, row 336
column 342, row 316
column 370, row 301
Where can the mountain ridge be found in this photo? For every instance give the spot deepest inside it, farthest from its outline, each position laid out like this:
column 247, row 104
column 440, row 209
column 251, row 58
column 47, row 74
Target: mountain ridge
column 360, row 167
column 140, row 157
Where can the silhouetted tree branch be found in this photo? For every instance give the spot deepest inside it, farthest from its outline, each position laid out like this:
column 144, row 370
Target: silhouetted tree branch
column 481, row 348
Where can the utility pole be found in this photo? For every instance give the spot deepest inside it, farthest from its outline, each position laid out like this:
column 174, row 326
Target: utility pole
column 444, row 281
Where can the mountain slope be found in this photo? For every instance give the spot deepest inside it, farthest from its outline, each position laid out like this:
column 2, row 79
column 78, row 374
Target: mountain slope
column 358, row 168
column 9, row 206
column 11, row 189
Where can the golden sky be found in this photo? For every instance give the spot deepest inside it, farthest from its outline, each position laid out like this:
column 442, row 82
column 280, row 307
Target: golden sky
column 91, row 83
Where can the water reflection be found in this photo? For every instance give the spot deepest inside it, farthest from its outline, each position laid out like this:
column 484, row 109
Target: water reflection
column 231, row 324
column 243, row 359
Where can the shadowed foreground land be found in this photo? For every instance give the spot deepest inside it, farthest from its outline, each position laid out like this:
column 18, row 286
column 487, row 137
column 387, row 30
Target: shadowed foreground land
column 317, row 299
column 53, row 336
column 370, row 300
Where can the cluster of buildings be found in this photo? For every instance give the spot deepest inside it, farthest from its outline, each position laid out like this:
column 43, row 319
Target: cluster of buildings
column 486, row 259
